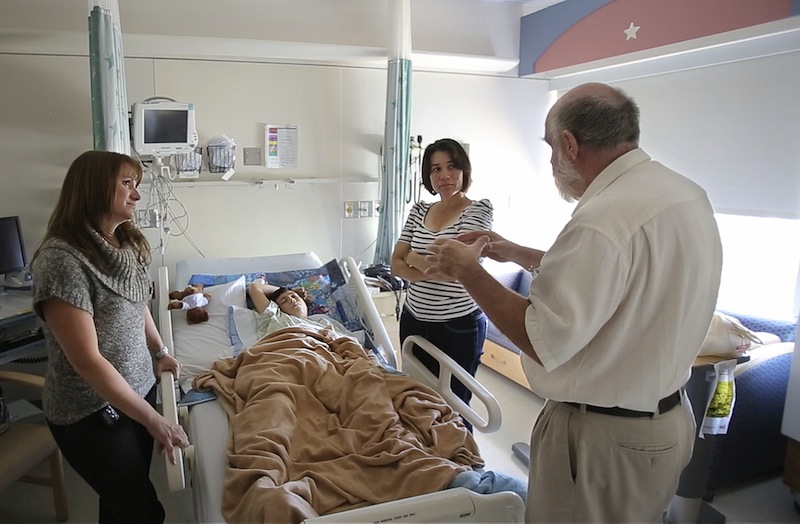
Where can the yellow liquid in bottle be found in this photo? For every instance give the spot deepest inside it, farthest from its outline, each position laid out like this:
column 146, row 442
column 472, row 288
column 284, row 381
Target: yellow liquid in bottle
column 722, row 400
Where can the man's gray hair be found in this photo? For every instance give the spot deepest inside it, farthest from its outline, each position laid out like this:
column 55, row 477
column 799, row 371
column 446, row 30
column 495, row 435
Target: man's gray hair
column 600, row 122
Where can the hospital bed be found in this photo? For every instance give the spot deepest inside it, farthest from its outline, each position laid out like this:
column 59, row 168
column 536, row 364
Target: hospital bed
column 206, row 423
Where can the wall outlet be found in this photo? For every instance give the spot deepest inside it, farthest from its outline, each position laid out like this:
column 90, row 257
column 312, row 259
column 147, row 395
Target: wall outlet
column 350, row 210
column 376, row 207
column 364, row 208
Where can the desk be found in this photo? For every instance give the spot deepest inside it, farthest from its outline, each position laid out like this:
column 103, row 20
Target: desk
column 16, row 314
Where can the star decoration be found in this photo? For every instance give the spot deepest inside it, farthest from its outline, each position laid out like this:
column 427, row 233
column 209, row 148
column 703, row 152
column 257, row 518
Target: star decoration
column 631, row 32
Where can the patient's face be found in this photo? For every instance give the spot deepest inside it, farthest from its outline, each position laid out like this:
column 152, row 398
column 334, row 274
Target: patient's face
column 291, row 303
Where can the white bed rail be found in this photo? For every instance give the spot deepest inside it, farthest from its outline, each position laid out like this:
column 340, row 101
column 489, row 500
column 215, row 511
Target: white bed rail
column 176, row 478
column 449, row 368
column 404, row 360
column 373, row 319
column 451, row 505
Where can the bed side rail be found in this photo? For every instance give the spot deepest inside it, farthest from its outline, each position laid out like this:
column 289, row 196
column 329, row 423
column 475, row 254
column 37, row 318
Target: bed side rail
column 449, row 368
column 164, row 317
column 368, row 311
column 176, row 479
column 450, row 505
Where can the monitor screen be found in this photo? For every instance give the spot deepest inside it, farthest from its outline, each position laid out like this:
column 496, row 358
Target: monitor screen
column 12, row 248
column 165, row 126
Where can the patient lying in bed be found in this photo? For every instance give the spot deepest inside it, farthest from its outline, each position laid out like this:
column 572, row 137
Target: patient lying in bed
column 280, row 307
column 318, row 426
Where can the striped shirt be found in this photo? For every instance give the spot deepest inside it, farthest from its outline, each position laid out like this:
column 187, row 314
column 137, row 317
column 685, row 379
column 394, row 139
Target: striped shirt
column 432, row 300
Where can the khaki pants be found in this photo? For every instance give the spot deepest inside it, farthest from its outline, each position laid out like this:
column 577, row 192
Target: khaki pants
column 592, row 467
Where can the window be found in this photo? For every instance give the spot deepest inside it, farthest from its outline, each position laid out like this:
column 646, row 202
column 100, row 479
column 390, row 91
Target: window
column 761, row 260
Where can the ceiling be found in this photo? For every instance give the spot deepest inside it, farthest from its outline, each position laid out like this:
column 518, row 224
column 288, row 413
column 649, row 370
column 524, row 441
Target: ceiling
column 529, row 6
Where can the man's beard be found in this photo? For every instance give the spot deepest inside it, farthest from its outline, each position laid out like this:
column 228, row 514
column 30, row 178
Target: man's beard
column 569, row 182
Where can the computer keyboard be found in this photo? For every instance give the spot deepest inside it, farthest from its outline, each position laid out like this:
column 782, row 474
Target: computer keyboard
column 8, row 345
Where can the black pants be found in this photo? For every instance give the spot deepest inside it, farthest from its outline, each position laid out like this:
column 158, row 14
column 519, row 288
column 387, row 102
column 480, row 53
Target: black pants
column 460, row 338
column 115, row 461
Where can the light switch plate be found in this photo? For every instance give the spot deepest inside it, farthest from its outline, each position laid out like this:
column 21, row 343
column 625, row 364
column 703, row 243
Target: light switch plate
column 253, row 156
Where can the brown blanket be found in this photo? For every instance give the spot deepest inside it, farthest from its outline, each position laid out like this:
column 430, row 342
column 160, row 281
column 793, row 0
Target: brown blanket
column 318, row 427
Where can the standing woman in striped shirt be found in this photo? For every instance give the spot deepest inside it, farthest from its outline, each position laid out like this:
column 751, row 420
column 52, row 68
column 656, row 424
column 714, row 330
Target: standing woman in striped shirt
column 442, row 311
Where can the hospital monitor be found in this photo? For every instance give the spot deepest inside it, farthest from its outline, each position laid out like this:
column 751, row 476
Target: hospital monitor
column 161, row 128
column 12, row 248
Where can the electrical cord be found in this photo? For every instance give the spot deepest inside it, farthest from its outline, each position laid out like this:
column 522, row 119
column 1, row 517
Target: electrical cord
column 171, row 212
column 396, row 291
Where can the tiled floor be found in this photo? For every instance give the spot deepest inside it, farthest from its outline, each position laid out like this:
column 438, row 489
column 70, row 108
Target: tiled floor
column 764, row 499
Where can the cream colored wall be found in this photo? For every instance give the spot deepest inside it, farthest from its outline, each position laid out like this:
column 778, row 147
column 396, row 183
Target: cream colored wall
column 45, row 114
column 45, row 122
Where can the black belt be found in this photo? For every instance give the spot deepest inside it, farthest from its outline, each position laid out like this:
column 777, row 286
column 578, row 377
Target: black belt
column 664, row 405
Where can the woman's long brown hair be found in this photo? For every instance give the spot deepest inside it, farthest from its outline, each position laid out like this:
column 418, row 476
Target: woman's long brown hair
column 87, row 196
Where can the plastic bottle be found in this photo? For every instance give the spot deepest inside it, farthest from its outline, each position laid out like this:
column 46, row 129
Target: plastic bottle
column 722, row 401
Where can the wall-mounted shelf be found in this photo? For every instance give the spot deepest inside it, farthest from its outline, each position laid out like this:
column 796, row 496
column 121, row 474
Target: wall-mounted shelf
column 267, row 182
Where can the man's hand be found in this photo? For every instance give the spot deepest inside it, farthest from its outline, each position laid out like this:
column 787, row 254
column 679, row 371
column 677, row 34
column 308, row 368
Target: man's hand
column 497, row 248
column 452, row 259
column 471, row 236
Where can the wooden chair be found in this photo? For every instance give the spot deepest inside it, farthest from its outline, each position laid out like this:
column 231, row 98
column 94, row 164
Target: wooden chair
column 26, row 445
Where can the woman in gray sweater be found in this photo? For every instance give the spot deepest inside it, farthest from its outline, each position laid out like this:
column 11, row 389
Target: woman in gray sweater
column 91, row 288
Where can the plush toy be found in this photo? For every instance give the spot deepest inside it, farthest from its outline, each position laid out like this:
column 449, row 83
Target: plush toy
column 193, row 300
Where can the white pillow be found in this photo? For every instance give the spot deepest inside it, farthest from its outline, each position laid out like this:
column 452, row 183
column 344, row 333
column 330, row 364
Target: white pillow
column 727, row 337
column 197, row 346
column 242, row 328
column 231, row 294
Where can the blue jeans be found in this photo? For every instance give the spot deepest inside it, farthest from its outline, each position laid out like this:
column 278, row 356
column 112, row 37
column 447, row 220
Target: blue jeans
column 115, row 461
column 459, row 338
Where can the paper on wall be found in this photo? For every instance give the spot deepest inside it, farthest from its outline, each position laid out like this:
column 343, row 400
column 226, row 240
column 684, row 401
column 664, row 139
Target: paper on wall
column 281, row 145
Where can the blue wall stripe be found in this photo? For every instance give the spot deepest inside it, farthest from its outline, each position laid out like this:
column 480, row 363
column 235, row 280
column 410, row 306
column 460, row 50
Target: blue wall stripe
column 540, row 29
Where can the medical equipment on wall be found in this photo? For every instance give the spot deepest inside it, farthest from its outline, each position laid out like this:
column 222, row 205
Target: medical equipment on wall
column 414, row 172
column 162, row 127
column 189, row 165
column 221, row 156
column 414, row 164
column 165, row 141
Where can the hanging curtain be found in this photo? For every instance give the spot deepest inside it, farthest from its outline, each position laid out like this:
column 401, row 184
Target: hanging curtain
column 395, row 189
column 107, row 72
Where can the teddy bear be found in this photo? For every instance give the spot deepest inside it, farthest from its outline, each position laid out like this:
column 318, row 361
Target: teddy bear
column 193, row 300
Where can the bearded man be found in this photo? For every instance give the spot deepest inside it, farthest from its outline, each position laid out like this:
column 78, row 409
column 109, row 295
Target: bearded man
column 614, row 319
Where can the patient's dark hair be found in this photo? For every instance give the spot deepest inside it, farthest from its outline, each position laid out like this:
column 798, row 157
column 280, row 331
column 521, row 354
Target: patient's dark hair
column 273, row 297
column 301, row 292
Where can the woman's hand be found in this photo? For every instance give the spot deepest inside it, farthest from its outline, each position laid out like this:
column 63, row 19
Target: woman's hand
column 167, row 363
column 168, row 436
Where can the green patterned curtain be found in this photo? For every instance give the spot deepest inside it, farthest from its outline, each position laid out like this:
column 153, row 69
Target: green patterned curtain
column 395, row 188
column 107, row 70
